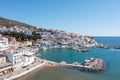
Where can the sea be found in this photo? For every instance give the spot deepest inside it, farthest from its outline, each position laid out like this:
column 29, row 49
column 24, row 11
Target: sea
column 110, row 56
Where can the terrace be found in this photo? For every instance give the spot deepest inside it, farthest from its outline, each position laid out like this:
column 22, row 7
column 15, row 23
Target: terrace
column 5, row 66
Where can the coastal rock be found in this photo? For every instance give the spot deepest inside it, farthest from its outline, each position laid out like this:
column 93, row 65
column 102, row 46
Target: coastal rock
column 94, row 65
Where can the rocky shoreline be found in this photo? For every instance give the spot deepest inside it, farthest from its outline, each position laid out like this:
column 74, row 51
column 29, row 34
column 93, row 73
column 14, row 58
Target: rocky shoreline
column 107, row 46
column 96, row 65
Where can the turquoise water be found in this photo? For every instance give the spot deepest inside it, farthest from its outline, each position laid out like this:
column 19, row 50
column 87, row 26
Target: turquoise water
column 110, row 56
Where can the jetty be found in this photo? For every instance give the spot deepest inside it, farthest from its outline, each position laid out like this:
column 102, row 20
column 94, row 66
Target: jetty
column 90, row 65
column 94, row 65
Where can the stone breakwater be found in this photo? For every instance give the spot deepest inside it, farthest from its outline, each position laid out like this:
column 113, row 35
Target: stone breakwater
column 91, row 65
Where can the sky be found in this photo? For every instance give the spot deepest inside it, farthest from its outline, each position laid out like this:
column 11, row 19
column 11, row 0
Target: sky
column 87, row 17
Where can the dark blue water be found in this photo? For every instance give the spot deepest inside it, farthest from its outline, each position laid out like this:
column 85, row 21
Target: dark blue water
column 114, row 41
column 110, row 56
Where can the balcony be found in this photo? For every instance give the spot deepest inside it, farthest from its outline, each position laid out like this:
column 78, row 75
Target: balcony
column 5, row 66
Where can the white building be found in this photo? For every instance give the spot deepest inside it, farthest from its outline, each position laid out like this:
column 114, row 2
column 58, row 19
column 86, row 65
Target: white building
column 13, row 43
column 28, row 43
column 15, row 57
column 20, row 58
column 3, row 43
column 28, row 58
column 5, row 66
column 2, row 28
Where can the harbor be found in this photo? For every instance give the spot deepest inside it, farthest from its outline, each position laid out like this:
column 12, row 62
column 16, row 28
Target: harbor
column 68, row 56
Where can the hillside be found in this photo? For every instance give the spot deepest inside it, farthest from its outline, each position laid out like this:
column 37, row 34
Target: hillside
column 9, row 23
column 23, row 32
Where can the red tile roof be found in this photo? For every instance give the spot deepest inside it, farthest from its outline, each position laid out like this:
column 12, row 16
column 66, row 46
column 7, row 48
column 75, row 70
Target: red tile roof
column 2, row 56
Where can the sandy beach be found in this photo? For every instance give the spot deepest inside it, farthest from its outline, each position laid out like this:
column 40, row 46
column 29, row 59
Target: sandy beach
column 34, row 71
column 46, row 65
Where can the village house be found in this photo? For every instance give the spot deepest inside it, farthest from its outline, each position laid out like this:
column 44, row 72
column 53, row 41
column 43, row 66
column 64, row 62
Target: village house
column 15, row 57
column 28, row 58
column 27, row 43
column 2, row 59
column 3, row 43
column 3, row 28
column 13, row 43
column 28, row 55
column 5, row 67
column 28, row 32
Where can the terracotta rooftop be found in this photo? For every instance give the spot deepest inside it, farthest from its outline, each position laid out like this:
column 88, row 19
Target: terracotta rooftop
column 2, row 56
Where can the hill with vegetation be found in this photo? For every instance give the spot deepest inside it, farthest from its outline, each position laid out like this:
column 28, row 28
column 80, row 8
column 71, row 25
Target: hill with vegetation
column 8, row 23
column 20, row 36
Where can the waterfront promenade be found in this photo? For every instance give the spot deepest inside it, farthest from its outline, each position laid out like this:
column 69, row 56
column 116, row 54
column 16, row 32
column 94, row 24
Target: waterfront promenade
column 23, row 71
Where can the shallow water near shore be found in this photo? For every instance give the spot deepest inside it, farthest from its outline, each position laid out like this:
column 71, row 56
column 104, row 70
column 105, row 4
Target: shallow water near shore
column 110, row 56
column 60, row 73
